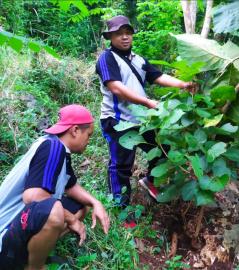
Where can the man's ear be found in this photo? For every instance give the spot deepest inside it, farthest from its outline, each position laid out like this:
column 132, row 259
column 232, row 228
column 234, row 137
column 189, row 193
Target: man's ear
column 73, row 130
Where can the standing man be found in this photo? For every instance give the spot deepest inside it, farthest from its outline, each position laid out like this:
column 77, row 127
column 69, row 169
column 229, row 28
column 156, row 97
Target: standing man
column 40, row 198
column 123, row 75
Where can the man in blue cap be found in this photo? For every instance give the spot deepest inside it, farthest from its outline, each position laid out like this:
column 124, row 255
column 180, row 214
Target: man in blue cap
column 123, row 75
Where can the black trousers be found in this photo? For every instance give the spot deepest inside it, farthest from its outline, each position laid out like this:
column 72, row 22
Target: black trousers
column 122, row 159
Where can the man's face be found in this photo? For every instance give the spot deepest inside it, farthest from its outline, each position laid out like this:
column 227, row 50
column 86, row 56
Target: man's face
column 122, row 39
column 82, row 138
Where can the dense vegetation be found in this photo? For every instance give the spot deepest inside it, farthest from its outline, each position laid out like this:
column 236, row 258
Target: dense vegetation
column 202, row 130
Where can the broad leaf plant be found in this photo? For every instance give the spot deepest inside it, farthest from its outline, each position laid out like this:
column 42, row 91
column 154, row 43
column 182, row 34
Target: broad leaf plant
column 203, row 142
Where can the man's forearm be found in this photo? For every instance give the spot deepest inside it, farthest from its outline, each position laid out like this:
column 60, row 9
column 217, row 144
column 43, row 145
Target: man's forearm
column 167, row 80
column 122, row 91
column 81, row 195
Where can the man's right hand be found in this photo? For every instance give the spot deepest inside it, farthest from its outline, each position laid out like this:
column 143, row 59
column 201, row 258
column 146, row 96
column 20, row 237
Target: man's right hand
column 79, row 228
column 151, row 104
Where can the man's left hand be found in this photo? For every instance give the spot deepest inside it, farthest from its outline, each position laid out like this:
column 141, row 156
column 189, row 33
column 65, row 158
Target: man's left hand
column 99, row 213
column 191, row 87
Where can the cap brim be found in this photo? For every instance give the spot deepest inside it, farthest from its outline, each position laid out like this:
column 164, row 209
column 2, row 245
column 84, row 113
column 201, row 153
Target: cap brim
column 57, row 129
column 105, row 34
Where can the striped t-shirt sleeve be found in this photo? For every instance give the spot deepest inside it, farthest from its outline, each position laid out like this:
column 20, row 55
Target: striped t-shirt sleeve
column 107, row 68
column 46, row 166
column 152, row 73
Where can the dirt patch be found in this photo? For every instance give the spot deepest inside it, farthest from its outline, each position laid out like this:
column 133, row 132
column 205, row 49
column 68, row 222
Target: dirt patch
column 217, row 245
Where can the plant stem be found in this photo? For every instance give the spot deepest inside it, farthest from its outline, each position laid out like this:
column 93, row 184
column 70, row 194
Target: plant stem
column 187, row 172
column 199, row 221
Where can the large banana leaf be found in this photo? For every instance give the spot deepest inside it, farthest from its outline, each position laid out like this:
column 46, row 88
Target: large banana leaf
column 226, row 18
column 194, row 48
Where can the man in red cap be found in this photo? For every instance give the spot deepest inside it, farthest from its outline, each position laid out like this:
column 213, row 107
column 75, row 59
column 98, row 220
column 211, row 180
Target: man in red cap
column 40, row 198
column 123, row 75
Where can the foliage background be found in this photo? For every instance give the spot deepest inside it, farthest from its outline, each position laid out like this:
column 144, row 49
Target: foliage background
column 34, row 85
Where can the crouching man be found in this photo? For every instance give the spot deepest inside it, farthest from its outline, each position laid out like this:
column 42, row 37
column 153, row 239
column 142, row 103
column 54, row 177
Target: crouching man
column 40, row 198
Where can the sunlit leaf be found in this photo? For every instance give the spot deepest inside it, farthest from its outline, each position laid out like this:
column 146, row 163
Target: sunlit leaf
column 123, row 125
column 213, row 121
column 232, row 154
column 225, row 17
column 216, row 150
column 131, row 139
column 15, row 44
column 153, row 153
column 215, row 185
column 196, row 165
column 200, row 136
column 220, row 168
column 222, row 94
column 175, row 156
column 160, row 170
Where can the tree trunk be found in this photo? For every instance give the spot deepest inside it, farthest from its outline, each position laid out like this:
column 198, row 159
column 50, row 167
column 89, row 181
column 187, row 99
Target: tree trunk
column 207, row 19
column 189, row 13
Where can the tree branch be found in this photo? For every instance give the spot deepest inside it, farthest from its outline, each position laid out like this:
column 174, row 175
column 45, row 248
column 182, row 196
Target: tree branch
column 207, row 19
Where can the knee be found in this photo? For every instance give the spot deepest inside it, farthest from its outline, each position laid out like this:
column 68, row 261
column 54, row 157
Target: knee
column 56, row 217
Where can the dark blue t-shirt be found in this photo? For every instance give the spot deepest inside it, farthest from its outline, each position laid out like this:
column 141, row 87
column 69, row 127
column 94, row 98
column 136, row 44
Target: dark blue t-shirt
column 46, row 166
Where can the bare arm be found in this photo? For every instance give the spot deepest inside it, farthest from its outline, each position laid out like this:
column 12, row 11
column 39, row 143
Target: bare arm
column 39, row 194
column 35, row 194
column 81, row 195
column 167, row 80
column 125, row 93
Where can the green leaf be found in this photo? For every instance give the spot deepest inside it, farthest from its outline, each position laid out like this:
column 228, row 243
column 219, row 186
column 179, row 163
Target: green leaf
column 123, row 215
column 216, row 150
column 204, row 197
column 138, row 110
column 221, row 94
column 51, row 51
column 229, row 128
column 172, row 104
column 123, row 125
column 232, row 153
column 191, row 141
column 172, row 118
column 158, row 181
column 153, row 153
column 200, row 136
column 225, row 18
column 160, row 170
column 64, row 5
column 220, row 168
column 175, row 156
column 202, row 113
column 3, row 38
column 186, row 121
column 53, row 266
column 194, row 48
column 196, row 165
column 215, row 185
column 213, row 121
column 15, row 44
column 189, row 190
column 131, row 139
column 168, row 194
column 34, row 46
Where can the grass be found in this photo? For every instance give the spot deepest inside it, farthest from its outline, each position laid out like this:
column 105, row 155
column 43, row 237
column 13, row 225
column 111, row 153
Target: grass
column 49, row 84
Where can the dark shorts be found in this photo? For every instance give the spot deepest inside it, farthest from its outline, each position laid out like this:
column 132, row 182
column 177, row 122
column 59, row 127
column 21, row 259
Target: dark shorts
column 26, row 224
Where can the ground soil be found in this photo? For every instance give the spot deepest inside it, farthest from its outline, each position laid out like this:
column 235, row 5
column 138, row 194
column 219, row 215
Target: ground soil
column 217, row 245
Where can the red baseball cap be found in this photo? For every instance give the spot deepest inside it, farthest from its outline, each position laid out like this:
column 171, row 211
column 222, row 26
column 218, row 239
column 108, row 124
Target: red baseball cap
column 70, row 115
